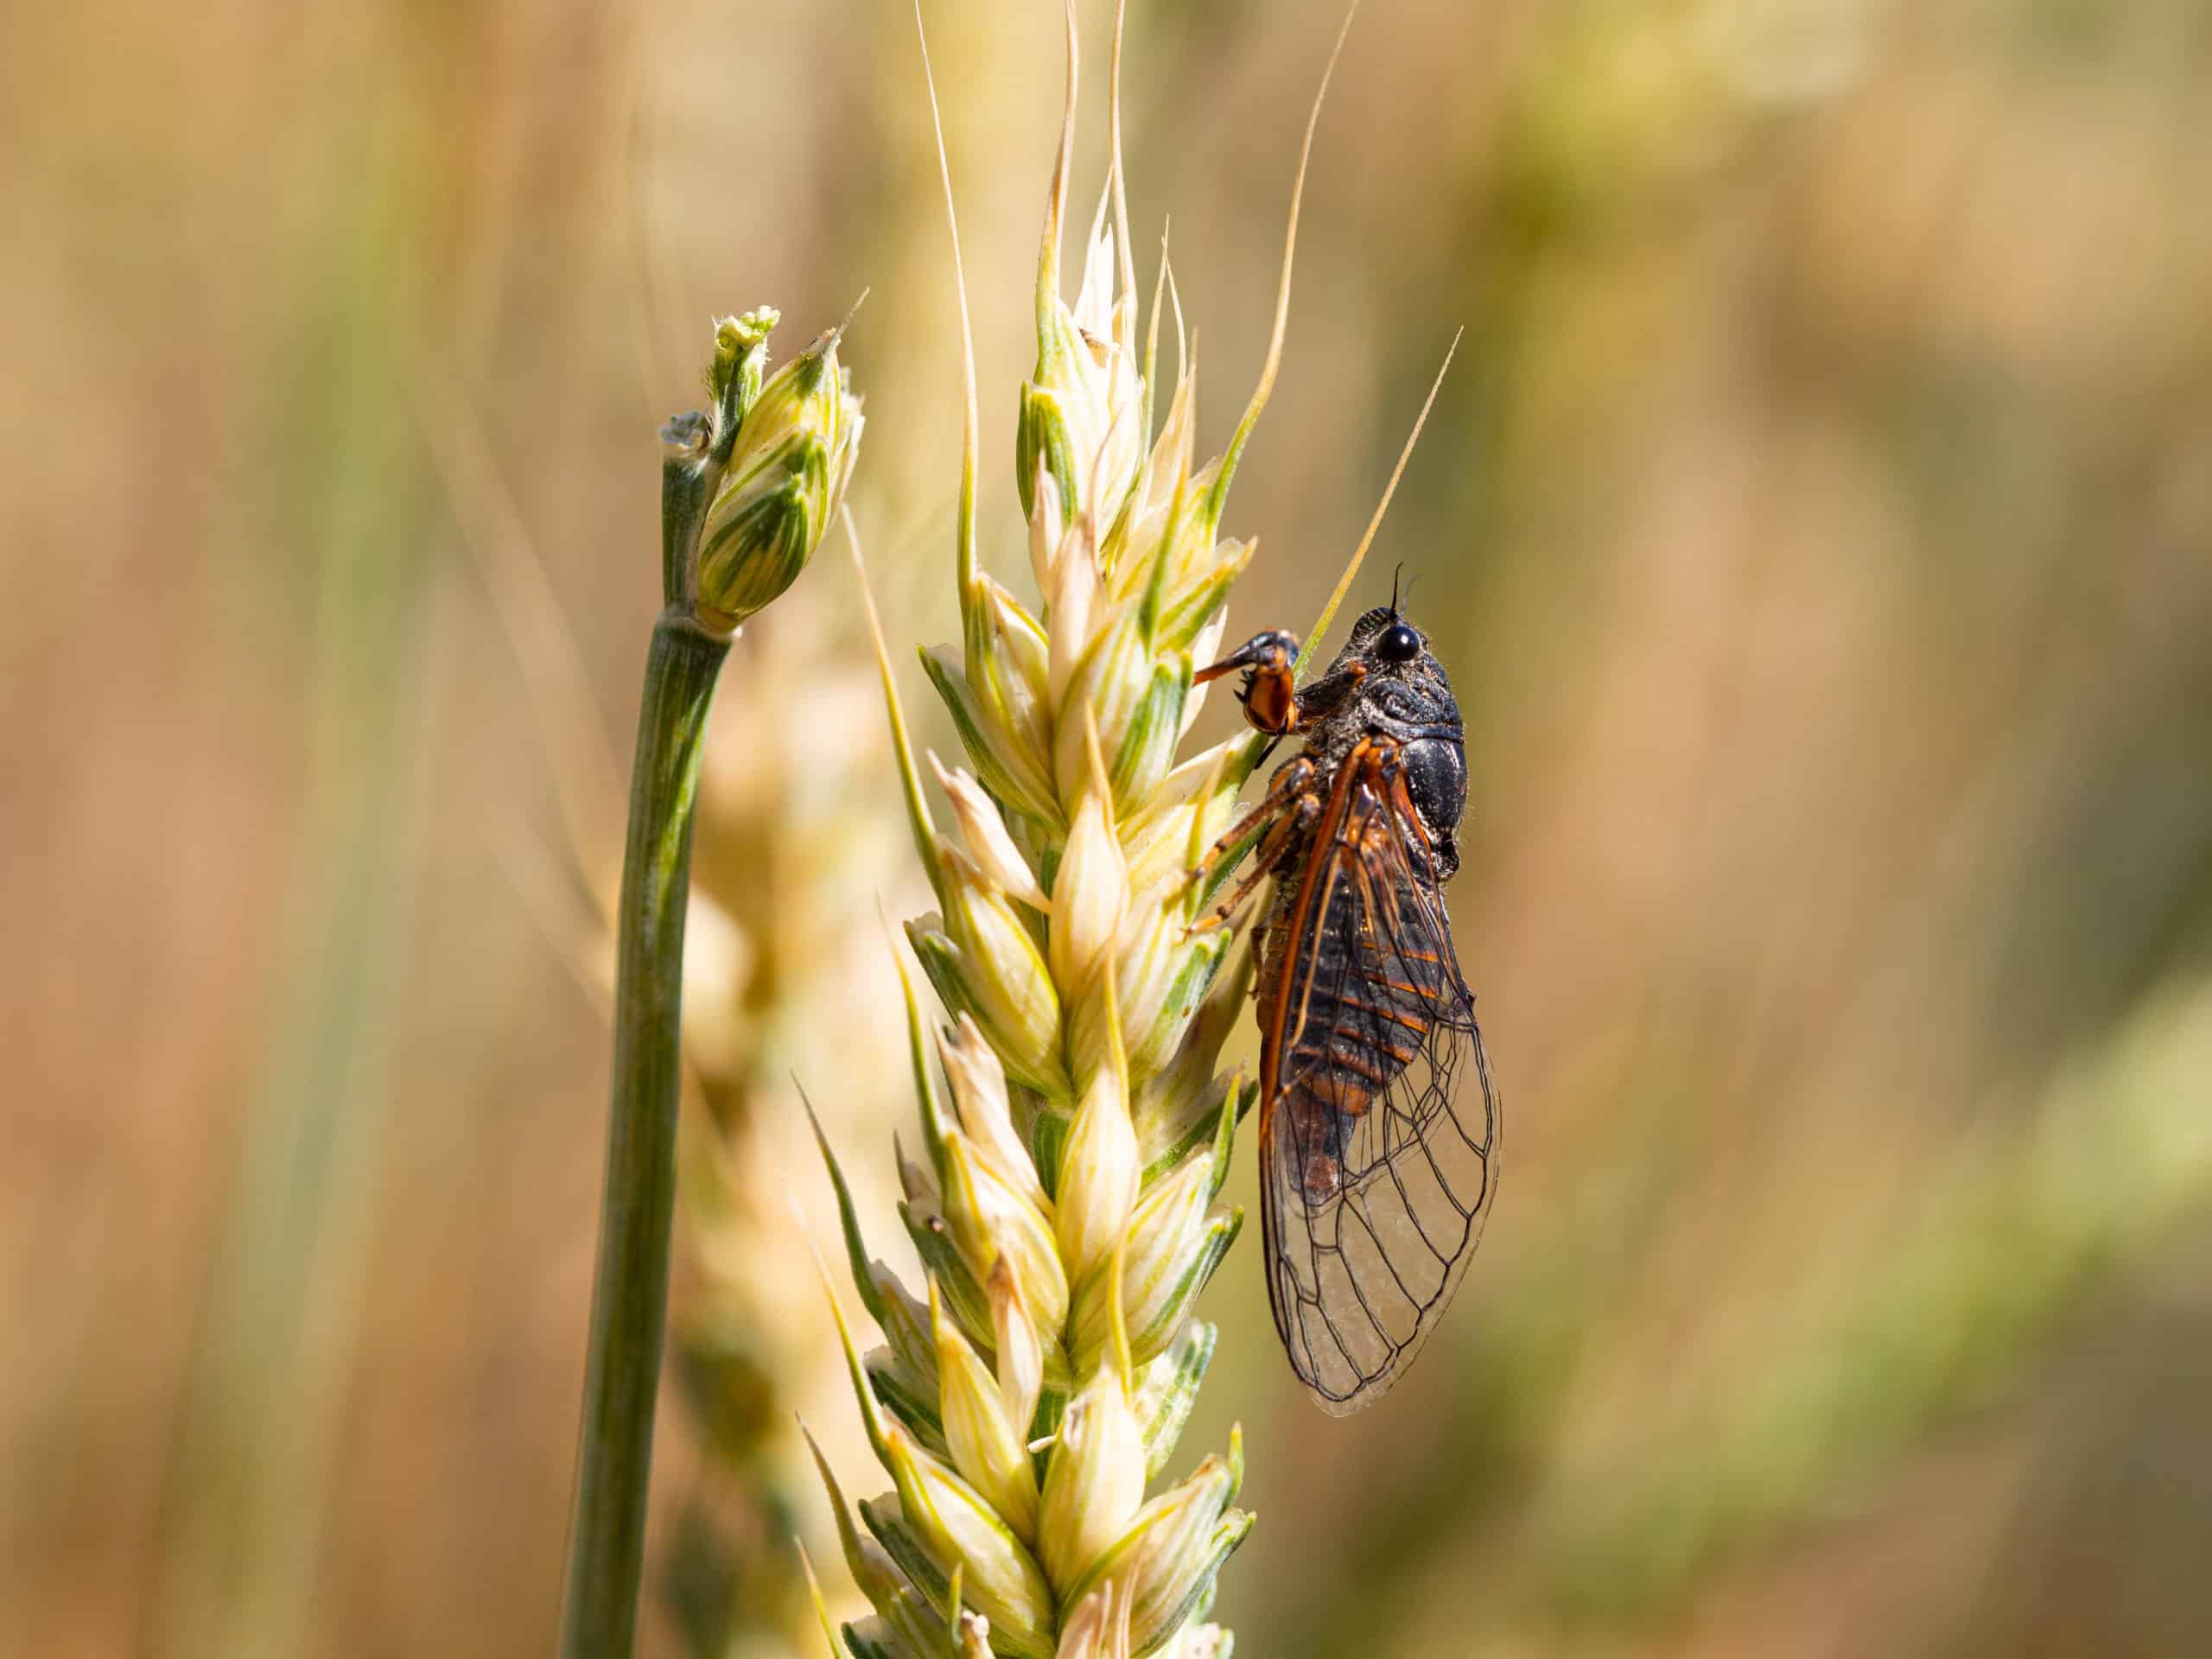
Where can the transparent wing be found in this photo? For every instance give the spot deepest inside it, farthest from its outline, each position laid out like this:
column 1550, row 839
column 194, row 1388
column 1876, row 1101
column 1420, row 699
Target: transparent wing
column 1380, row 1138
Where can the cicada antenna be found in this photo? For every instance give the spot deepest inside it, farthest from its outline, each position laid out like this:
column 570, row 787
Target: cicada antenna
column 1351, row 567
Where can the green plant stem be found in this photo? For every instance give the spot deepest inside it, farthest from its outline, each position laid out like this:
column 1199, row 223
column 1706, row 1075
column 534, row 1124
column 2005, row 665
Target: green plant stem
column 629, row 1308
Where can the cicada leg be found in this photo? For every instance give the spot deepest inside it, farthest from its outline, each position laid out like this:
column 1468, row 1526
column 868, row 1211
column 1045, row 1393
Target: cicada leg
column 1287, row 786
column 1269, row 691
column 1301, row 817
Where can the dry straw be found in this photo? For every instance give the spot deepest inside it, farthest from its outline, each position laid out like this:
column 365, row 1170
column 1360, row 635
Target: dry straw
column 1061, row 1192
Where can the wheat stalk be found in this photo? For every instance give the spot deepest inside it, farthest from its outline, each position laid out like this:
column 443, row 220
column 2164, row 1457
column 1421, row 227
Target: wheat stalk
column 746, row 487
column 1063, row 1205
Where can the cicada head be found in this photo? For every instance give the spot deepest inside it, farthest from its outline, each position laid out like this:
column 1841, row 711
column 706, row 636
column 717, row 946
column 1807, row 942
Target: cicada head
column 1396, row 688
column 1403, row 685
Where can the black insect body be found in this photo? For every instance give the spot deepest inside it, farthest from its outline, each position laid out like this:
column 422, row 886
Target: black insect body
column 1375, row 1175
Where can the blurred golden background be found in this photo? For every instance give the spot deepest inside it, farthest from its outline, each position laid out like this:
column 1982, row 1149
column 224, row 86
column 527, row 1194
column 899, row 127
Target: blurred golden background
column 1817, row 523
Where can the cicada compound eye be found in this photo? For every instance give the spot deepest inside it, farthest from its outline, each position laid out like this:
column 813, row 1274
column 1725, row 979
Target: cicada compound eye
column 1397, row 644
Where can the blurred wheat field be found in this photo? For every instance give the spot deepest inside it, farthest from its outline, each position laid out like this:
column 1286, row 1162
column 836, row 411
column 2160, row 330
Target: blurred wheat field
column 1817, row 521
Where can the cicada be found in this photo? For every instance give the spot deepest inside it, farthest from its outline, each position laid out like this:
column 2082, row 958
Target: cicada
column 1379, row 1124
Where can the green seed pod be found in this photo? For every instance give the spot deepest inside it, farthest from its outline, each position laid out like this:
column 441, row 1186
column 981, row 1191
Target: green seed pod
column 1092, row 1212
column 1017, row 776
column 979, row 1092
column 987, row 1448
column 794, row 450
column 1175, row 1241
column 1168, row 1557
column 938, row 1525
column 1094, row 1480
column 998, row 973
column 1021, row 1352
column 991, row 1221
column 1169, row 1390
column 1007, row 665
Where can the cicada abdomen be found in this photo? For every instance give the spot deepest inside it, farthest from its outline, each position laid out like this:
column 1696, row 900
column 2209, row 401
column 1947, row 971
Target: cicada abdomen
column 1365, row 1011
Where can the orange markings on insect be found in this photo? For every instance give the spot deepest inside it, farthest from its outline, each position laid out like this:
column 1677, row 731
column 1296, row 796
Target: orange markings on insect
column 1270, row 702
column 1377, row 1169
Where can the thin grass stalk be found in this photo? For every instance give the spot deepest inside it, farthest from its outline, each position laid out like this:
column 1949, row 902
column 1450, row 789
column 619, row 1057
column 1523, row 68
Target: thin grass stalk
column 629, row 1314
column 745, row 489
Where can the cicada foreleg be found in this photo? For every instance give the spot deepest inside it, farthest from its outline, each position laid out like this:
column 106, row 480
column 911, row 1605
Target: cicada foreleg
column 1268, row 693
column 1289, row 782
column 1290, row 785
column 1298, row 819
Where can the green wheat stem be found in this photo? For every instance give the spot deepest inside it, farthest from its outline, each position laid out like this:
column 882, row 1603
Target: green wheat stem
column 629, row 1313
column 745, row 488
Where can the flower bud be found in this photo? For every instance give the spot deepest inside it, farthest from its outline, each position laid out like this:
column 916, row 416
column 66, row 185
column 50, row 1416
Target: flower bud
column 938, row 1525
column 794, row 452
column 1169, row 1389
column 1170, row 1588
column 1168, row 836
column 1163, row 976
column 1020, row 1353
column 1043, row 449
column 989, row 1220
column 1192, row 1120
column 1079, row 412
column 983, row 961
column 1098, row 1177
column 1006, row 662
column 990, row 1451
column 1135, row 698
column 979, row 1090
column 1088, row 892
column 1099, row 1628
column 1075, row 602
column 988, row 844
column 1094, row 1481
column 1168, row 1557
column 741, row 361
column 1048, row 534
column 1109, row 683
column 1018, row 776
column 1174, row 1243
column 1194, row 599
